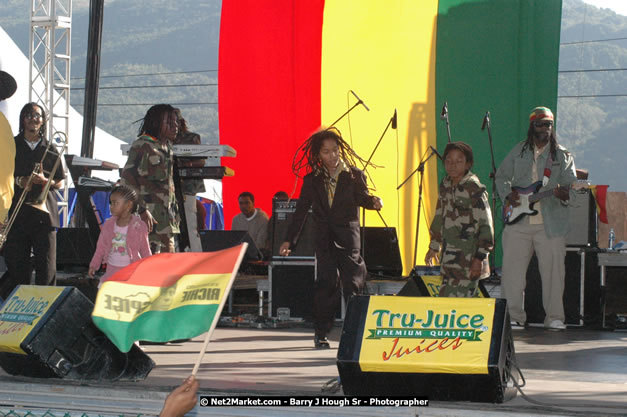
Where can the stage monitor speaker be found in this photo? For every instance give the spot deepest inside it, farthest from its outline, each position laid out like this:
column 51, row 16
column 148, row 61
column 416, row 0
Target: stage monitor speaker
column 47, row 332
column 446, row 349
column 582, row 213
column 425, row 281
column 381, row 252
column 215, row 240
column 87, row 286
column 75, row 247
column 282, row 214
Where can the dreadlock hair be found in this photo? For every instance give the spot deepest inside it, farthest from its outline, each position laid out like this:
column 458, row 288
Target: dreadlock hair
column 182, row 123
column 28, row 109
column 151, row 123
column 529, row 144
column 127, row 193
column 307, row 155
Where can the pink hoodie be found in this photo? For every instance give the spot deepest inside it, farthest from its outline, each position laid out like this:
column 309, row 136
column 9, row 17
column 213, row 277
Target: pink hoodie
column 137, row 244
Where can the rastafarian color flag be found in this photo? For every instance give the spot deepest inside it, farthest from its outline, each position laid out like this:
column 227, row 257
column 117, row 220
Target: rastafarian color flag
column 166, row 297
column 286, row 67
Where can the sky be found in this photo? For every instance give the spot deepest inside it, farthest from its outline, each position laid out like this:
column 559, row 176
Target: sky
column 619, row 6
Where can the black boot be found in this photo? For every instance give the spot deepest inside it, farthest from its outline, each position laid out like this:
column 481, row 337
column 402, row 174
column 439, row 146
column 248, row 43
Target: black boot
column 321, row 342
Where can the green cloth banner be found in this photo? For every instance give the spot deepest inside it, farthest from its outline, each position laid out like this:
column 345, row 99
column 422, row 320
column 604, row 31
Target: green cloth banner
column 499, row 56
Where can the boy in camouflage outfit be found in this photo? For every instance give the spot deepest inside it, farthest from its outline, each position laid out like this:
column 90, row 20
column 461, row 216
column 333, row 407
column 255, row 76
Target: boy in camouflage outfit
column 462, row 229
column 149, row 171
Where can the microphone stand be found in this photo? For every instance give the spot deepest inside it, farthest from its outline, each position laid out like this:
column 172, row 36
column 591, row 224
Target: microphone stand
column 359, row 101
column 363, row 210
column 421, row 168
column 486, row 123
column 444, row 116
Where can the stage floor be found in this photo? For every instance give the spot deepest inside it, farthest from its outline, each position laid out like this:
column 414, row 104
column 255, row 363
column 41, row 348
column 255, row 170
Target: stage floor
column 579, row 371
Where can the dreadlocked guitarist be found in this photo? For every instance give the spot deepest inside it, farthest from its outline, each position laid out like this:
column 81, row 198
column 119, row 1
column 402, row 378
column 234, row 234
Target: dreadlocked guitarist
column 539, row 158
column 335, row 189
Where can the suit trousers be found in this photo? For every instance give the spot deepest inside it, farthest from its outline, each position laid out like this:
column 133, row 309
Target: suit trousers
column 520, row 240
column 335, row 266
column 31, row 232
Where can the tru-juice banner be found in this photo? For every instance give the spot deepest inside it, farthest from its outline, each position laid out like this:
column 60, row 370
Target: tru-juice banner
column 21, row 312
column 427, row 335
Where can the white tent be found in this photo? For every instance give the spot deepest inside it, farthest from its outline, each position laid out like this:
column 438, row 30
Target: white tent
column 13, row 61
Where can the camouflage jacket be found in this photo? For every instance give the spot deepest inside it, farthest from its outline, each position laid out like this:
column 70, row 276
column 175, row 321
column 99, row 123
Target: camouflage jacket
column 149, row 170
column 190, row 186
column 462, row 227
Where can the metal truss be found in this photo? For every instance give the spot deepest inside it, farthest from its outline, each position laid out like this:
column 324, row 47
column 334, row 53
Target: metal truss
column 49, row 74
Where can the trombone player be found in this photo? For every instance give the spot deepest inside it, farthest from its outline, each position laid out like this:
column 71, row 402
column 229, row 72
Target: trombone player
column 33, row 219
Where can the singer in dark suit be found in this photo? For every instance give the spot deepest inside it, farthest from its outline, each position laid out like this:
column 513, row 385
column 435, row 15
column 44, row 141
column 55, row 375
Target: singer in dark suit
column 335, row 189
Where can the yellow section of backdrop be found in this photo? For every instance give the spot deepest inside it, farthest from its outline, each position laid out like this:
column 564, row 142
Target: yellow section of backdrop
column 385, row 52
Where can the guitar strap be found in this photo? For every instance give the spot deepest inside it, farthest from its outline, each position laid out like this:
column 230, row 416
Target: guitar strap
column 547, row 170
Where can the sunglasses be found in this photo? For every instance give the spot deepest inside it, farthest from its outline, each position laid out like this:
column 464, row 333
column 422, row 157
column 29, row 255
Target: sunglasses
column 34, row 116
column 543, row 124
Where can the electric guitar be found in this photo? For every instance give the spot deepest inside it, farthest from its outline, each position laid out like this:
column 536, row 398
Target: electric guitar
column 527, row 198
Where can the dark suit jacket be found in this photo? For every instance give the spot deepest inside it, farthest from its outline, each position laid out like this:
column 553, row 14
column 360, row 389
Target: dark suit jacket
column 25, row 160
column 340, row 222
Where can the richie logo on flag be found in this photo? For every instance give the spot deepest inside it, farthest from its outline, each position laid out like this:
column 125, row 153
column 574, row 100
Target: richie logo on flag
column 127, row 302
column 423, row 334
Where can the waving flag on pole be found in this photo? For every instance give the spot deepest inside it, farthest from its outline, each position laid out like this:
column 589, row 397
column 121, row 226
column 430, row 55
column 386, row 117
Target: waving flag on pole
column 600, row 196
column 167, row 296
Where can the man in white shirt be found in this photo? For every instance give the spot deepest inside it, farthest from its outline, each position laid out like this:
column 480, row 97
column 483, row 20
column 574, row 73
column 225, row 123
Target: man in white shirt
column 251, row 219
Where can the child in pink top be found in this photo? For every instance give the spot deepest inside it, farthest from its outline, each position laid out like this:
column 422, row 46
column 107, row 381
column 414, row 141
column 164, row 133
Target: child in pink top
column 123, row 237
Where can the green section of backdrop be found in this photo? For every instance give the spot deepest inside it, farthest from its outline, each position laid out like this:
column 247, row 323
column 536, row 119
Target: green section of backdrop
column 499, row 56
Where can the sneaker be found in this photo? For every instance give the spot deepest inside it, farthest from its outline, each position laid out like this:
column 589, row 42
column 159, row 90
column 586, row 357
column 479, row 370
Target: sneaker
column 321, row 342
column 516, row 325
column 556, row 325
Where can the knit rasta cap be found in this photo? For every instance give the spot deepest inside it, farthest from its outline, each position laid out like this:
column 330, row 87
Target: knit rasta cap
column 540, row 113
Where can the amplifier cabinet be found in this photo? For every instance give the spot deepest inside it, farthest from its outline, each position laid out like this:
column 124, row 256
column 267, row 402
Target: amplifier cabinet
column 282, row 213
column 583, row 220
column 581, row 289
column 292, row 284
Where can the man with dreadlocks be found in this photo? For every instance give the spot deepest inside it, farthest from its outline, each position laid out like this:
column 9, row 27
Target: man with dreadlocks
column 539, row 158
column 335, row 189
column 149, row 170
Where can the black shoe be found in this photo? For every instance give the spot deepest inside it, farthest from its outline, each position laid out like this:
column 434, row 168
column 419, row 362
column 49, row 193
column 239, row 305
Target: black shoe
column 516, row 325
column 321, row 342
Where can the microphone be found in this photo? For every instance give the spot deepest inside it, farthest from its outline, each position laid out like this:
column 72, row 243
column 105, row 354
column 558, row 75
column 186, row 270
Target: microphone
column 435, row 151
column 360, row 101
column 394, row 120
column 444, row 112
column 486, row 120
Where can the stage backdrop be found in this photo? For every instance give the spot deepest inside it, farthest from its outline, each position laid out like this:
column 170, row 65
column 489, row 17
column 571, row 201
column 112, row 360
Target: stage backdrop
column 287, row 66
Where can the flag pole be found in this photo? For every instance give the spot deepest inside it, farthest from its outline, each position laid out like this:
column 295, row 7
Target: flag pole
column 242, row 252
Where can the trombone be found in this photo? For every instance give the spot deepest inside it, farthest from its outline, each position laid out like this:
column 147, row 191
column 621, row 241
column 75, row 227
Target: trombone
column 40, row 201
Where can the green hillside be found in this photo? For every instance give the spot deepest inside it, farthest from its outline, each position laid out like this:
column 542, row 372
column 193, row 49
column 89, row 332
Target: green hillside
column 142, row 37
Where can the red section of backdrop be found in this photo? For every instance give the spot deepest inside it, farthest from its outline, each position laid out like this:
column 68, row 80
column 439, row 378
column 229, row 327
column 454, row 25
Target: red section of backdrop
column 269, row 93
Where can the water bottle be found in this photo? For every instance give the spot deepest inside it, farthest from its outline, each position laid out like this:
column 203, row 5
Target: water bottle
column 611, row 239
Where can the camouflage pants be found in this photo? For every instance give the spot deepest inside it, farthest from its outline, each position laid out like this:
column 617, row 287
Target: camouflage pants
column 161, row 242
column 452, row 287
